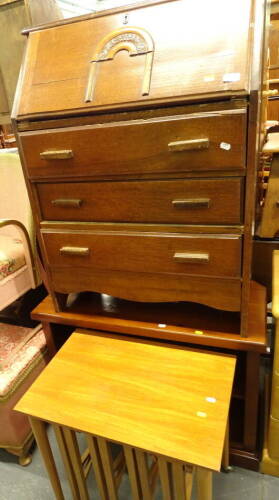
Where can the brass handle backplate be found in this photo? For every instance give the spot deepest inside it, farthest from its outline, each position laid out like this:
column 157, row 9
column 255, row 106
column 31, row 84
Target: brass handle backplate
column 192, row 145
column 191, row 203
column 76, row 251
column 67, row 202
column 60, row 154
column 270, row 93
column 191, row 258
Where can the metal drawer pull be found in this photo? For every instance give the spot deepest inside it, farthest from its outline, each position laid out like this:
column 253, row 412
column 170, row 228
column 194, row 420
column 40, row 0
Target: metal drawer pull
column 191, row 203
column 78, row 251
column 188, row 145
column 192, row 258
column 270, row 93
column 61, row 154
column 61, row 202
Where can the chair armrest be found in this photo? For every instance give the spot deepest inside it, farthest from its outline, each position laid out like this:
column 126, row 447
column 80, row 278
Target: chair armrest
column 275, row 284
column 26, row 245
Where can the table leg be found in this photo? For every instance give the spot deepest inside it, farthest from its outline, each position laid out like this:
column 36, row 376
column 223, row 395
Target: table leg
column 49, row 338
column 97, row 466
column 165, row 478
column 67, row 461
column 141, row 457
column 132, row 472
column 178, row 476
column 119, row 467
column 226, row 450
column 251, row 400
column 189, row 476
column 73, row 449
column 107, row 462
column 40, row 433
column 204, row 484
column 86, row 462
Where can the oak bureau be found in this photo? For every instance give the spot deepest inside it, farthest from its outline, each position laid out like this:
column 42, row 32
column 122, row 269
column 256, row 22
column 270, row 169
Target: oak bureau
column 139, row 130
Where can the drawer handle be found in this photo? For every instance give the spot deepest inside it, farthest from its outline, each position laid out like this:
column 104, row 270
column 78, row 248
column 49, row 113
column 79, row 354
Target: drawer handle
column 78, row 251
column 191, row 258
column 188, row 145
column 61, row 154
column 191, row 203
column 61, row 202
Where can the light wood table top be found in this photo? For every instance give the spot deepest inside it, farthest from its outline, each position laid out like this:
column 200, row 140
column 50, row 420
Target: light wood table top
column 164, row 399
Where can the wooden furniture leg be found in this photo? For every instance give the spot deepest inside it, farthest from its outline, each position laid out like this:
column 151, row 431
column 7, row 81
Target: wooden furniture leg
column 60, row 438
column 132, row 472
column 269, row 225
column 176, row 480
column 86, row 462
column 226, row 451
column 144, row 475
column 59, row 300
column 165, row 478
column 178, row 475
column 119, row 466
column 189, row 476
column 251, row 400
column 107, row 462
column 39, row 430
column 72, row 445
column 49, row 338
column 270, row 459
column 97, row 466
column 23, row 453
column 204, row 484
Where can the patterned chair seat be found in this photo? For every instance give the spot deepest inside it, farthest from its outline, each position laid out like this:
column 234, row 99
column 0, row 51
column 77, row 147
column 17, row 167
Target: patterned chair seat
column 18, row 272
column 11, row 255
column 23, row 355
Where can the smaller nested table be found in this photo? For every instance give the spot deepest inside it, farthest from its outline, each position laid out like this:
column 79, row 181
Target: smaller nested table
column 167, row 406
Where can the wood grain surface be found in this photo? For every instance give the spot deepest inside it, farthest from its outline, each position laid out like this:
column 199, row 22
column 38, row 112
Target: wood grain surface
column 145, row 252
column 139, row 146
column 275, row 298
column 134, row 114
column 269, row 224
column 144, row 201
column 150, row 396
column 209, row 56
column 180, row 322
column 13, row 18
column 141, row 227
column 161, row 287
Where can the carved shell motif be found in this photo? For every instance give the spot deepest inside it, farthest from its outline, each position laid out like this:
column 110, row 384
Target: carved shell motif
column 138, row 42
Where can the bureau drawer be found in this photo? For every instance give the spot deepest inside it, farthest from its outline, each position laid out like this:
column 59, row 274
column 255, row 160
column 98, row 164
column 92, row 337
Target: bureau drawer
column 184, row 143
column 205, row 201
column 207, row 255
